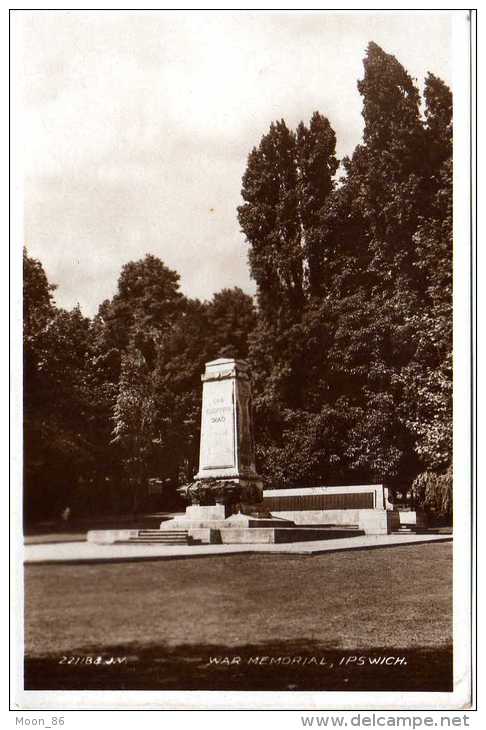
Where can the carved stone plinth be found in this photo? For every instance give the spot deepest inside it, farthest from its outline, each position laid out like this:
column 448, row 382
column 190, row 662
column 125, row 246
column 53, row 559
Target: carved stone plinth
column 227, row 449
column 227, row 476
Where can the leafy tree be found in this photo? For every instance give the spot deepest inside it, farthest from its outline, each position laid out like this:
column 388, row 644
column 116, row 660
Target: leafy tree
column 125, row 334
column 270, row 220
column 38, row 302
column 231, row 316
column 434, row 491
column 382, row 324
column 135, row 427
column 390, row 165
column 316, row 167
column 429, row 377
column 286, row 185
column 169, row 339
column 365, row 359
column 38, row 312
column 146, row 302
column 57, row 447
column 203, row 332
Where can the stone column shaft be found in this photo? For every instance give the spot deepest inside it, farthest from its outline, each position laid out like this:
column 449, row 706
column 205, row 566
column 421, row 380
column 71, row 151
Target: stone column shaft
column 227, row 449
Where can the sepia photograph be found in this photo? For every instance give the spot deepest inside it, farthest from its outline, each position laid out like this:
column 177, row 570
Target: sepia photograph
column 239, row 468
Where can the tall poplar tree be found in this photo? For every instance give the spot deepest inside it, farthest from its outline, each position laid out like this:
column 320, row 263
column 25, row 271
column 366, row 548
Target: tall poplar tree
column 286, row 187
column 335, row 382
column 316, row 167
column 270, row 220
column 430, row 373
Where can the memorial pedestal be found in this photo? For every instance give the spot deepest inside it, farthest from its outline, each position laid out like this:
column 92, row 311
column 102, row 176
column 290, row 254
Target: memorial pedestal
column 227, row 450
column 207, row 524
column 227, row 476
column 227, row 472
column 227, row 481
column 213, row 517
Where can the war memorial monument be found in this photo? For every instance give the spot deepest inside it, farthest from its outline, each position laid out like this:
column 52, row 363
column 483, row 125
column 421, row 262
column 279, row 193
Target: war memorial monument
column 227, row 500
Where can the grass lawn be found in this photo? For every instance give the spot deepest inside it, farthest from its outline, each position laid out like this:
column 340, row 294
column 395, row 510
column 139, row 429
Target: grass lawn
column 165, row 620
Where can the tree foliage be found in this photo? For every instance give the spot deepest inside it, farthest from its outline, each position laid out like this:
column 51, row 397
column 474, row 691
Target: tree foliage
column 285, row 187
column 354, row 381
column 58, row 452
column 350, row 343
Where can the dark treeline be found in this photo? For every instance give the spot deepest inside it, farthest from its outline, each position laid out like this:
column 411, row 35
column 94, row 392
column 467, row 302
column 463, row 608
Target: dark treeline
column 114, row 401
column 350, row 342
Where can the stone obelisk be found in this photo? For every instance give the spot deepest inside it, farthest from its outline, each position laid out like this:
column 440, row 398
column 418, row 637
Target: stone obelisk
column 227, row 475
column 227, row 448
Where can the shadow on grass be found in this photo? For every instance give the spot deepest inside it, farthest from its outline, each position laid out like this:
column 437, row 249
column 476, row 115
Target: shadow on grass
column 283, row 666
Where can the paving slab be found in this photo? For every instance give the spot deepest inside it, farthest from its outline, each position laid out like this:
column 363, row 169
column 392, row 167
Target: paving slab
column 80, row 552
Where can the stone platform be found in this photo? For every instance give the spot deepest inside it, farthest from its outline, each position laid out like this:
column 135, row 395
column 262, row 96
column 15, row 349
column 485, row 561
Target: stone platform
column 280, row 535
column 86, row 552
column 211, row 524
column 215, row 517
column 236, row 535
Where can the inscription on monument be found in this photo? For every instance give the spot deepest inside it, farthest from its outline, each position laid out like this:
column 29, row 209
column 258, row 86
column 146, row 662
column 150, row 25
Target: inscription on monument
column 217, row 433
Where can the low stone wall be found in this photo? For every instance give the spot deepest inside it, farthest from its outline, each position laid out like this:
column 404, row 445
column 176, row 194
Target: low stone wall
column 365, row 506
column 320, row 517
column 110, row 537
column 358, row 496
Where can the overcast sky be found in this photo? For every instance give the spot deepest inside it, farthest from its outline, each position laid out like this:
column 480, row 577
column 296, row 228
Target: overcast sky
column 136, row 128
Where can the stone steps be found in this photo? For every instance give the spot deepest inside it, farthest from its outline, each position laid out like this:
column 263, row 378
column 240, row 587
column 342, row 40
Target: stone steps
column 165, row 537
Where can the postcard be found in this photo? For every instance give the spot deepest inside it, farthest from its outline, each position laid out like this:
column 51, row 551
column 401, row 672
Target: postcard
column 241, row 361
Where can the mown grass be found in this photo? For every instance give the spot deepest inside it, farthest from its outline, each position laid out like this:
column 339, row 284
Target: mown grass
column 392, row 600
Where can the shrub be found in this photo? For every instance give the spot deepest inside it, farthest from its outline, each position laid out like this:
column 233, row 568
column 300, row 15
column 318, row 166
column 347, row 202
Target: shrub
column 434, row 491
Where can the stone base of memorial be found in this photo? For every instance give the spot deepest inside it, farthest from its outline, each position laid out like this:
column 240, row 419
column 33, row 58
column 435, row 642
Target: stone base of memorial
column 226, row 521
column 226, row 500
column 227, row 482
column 227, row 477
column 197, row 516
column 207, row 524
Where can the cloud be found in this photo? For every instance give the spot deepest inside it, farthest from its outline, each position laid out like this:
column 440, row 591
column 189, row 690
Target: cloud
column 136, row 128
